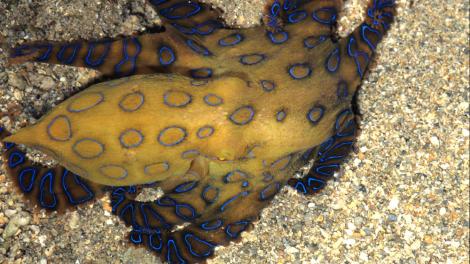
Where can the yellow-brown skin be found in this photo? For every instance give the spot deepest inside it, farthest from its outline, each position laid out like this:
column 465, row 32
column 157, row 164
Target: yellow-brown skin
column 245, row 147
column 65, row 133
column 221, row 136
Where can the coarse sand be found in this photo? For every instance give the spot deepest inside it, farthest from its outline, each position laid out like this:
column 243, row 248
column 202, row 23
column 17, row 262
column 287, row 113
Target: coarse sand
column 403, row 198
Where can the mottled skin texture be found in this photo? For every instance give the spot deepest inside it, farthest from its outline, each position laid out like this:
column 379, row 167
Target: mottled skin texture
column 220, row 136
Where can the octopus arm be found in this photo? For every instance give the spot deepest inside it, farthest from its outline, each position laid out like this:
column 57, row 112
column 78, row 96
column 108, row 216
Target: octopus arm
column 53, row 189
column 163, row 52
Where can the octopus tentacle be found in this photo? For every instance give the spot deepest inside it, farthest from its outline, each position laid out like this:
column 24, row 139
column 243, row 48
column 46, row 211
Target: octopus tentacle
column 163, row 52
column 190, row 17
column 183, row 226
column 329, row 155
column 53, row 189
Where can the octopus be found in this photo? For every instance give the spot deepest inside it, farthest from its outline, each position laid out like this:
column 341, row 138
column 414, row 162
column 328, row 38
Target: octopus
column 218, row 118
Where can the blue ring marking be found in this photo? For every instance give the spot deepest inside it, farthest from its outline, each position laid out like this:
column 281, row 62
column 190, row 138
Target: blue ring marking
column 80, row 183
column 205, row 254
column 356, row 54
column 228, row 176
column 225, row 41
column 91, row 47
column 24, row 50
column 76, row 152
column 325, row 146
column 326, row 156
column 189, row 98
column 190, row 154
column 70, row 109
column 123, row 99
column 185, row 134
column 132, row 189
column 202, row 129
column 198, row 48
column 71, row 58
column 350, row 123
column 50, row 177
column 20, row 159
column 290, row 4
column 135, row 237
column 9, row 145
column 262, row 194
column 69, row 128
column 131, row 59
column 196, row 73
column 167, row 12
column 230, row 200
column 129, row 206
column 300, row 186
column 259, row 58
column 281, row 115
column 297, row 16
column 125, row 145
column 171, row 246
column 185, row 187
column 313, row 180
column 318, row 40
column 268, row 86
column 364, row 28
column 370, row 13
column 333, row 61
column 163, row 49
column 204, row 194
column 272, row 36
column 346, row 111
column 198, row 82
column 342, row 90
column 231, row 234
column 154, row 214
column 179, row 213
column 326, row 170
column 47, row 53
column 183, row 29
column 316, row 109
column 151, row 242
column 275, row 9
column 212, row 225
column 331, row 11
column 158, row 2
column 32, row 171
column 117, row 199
column 166, row 201
column 250, row 118
column 245, row 184
column 213, row 26
column 199, row 28
column 301, row 77
column 267, row 176
column 219, row 99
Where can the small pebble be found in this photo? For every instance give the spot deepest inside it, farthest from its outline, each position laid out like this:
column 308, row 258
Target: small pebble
column 394, row 203
column 47, row 83
column 15, row 223
column 9, row 212
column 74, row 220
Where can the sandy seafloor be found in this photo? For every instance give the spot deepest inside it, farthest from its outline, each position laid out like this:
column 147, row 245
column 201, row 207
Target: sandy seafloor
column 404, row 198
